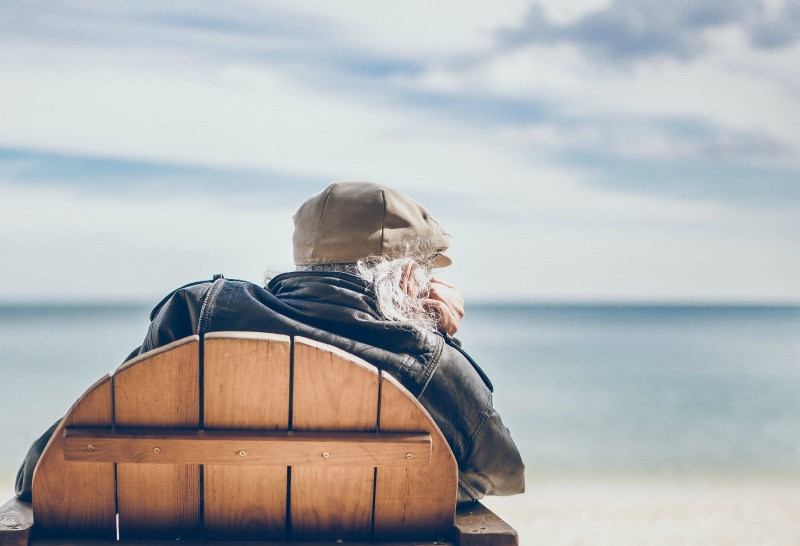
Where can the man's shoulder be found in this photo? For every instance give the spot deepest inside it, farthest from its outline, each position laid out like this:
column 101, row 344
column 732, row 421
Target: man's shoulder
column 196, row 291
column 195, row 286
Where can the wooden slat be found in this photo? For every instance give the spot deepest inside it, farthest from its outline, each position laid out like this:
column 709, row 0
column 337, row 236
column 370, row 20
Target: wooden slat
column 414, row 501
column 332, row 391
column 160, row 390
column 239, row 448
column 76, row 498
column 246, row 382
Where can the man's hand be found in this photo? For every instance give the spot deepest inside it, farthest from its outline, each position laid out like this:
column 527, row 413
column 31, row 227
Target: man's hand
column 445, row 300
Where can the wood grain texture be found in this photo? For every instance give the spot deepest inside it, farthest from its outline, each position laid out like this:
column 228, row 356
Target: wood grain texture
column 246, row 386
column 332, row 391
column 158, row 500
column 414, row 501
column 76, row 498
column 476, row 525
column 245, row 503
column 160, row 390
column 246, row 381
column 16, row 521
column 244, row 448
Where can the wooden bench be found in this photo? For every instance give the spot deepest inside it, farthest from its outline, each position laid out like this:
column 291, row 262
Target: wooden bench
column 251, row 437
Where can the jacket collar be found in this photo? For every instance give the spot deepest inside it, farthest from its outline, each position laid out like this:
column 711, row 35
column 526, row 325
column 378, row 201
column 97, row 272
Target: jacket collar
column 337, row 293
column 346, row 304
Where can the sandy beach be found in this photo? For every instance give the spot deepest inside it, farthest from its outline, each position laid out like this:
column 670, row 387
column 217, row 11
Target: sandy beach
column 656, row 511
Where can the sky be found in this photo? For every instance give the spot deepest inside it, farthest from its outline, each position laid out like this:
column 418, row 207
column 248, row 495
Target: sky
column 576, row 150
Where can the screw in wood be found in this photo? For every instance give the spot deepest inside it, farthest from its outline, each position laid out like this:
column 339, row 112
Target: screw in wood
column 90, row 447
column 326, row 455
column 156, row 450
column 243, row 453
column 409, row 455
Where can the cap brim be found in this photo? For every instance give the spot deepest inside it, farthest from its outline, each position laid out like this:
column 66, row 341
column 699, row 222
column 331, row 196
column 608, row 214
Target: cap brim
column 441, row 261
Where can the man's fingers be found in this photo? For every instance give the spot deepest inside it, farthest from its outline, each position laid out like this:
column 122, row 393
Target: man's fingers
column 441, row 281
column 449, row 296
column 448, row 321
column 446, row 301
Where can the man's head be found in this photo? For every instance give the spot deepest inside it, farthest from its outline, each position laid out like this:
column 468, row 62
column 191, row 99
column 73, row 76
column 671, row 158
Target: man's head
column 352, row 221
column 389, row 241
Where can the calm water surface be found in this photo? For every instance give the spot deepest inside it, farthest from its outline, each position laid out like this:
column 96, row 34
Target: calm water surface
column 655, row 389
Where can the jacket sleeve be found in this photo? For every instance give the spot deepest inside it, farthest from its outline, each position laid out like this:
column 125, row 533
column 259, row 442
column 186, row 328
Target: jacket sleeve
column 22, row 487
column 492, row 464
column 459, row 398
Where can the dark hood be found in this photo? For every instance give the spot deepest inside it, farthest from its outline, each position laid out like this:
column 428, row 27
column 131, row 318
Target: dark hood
column 345, row 304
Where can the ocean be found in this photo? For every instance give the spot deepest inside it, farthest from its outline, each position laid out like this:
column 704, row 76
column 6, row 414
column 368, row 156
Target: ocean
column 645, row 389
column 586, row 390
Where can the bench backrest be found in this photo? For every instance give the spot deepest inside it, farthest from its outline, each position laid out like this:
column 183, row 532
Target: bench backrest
column 246, row 436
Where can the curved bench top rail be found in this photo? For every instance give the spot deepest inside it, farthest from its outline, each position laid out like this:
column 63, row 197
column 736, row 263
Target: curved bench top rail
column 156, row 352
column 265, row 336
column 245, row 435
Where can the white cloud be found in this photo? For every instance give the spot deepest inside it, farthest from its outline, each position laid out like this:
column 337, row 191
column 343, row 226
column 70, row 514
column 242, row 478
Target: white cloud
column 752, row 93
column 416, row 28
column 404, row 96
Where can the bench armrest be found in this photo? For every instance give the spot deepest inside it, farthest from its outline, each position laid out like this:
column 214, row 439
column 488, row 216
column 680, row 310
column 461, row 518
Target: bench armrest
column 476, row 525
column 16, row 521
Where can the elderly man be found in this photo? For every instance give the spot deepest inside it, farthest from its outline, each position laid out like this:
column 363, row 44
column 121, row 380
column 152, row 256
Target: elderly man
column 364, row 255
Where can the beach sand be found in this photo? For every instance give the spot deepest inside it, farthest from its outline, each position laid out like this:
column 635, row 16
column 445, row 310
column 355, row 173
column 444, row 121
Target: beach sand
column 644, row 510
column 655, row 511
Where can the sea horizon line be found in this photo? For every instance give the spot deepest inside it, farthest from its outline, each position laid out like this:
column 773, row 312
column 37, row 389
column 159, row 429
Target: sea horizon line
column 483, row 302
